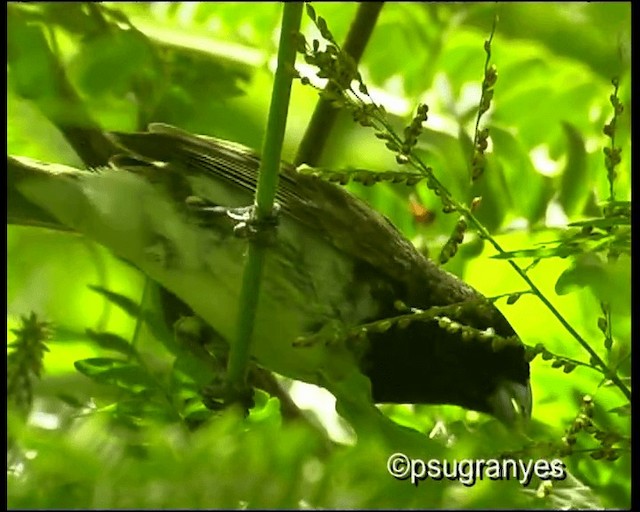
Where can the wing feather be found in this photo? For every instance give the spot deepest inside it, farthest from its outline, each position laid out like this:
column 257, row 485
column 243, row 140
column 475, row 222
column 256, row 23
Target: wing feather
column 330, row 211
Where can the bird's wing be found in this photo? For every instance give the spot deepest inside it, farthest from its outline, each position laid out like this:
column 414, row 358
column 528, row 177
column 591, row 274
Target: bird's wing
column 328, row 210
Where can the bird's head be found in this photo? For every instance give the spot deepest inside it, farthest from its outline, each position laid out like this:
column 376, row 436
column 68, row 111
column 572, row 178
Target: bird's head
column 424, row 364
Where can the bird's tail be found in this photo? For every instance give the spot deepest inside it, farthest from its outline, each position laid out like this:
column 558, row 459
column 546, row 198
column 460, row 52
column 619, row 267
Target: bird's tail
column 24, row 173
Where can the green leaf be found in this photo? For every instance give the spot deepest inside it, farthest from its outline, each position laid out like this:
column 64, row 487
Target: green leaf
column 116, row 372
column 71, row 400
column 586, row 270
column 193, row 368
column 145, row 410
column 196, row 413
column 310, row 11
column 32, row 66
column 609, row 282
column 151, row 319
column 513, row 298
column 122, row 301
column 575, row 181
column 111, row 341
column 266, row 409
column 76, row 18
column 524, row 183
column 623, row 410
column 603, row 223
column 113, row 62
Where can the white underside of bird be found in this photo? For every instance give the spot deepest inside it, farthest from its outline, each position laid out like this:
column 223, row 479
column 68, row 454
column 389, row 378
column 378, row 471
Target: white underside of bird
column 299, row 295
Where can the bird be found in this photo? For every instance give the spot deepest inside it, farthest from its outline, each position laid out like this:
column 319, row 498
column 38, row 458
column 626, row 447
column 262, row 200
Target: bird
column 169, row 203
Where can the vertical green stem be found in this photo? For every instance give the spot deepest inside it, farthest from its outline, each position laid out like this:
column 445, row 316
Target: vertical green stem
column 265, row 195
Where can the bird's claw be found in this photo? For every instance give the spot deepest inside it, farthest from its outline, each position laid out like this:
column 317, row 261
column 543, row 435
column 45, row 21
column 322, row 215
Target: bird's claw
column 248, row 225
column 219, row 395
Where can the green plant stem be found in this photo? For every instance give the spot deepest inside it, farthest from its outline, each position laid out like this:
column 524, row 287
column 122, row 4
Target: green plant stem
column 486, row 69
column 265, row 195
column 611, row 173
column 325, row 115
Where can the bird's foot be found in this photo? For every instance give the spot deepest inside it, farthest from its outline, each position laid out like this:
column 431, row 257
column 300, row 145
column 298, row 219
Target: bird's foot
column 248, row 224
column 220, row 395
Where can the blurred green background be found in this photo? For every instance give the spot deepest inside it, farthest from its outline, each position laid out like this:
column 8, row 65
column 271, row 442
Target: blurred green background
column 208, row 68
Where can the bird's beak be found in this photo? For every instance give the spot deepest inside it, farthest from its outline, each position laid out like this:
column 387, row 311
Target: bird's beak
column 511, row 402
